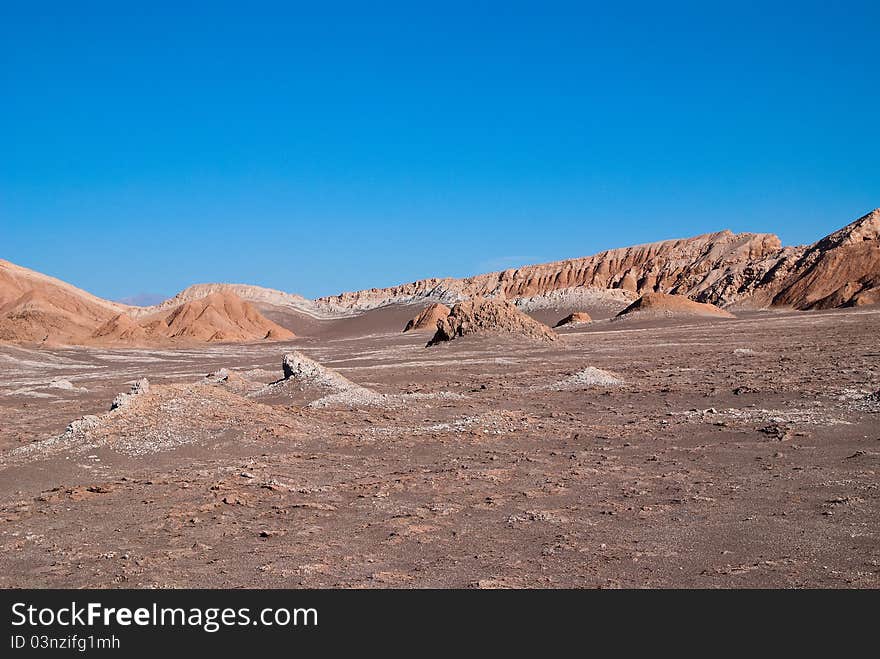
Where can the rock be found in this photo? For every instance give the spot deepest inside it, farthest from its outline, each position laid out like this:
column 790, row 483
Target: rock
column 58, row 383
column 142, row 386
column 330, row 387
column 139, row 388
column 489, row 316
column 427, row 319
column 221, row 375
column 84, row 424
column 299, row 367
column 576, row 318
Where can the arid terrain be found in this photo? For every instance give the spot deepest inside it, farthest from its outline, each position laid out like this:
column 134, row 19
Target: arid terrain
column 260, row 439
column 732, row 453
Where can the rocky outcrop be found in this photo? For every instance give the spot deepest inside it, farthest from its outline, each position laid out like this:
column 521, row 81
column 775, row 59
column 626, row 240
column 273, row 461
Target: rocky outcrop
column 662, row 304
column 841, row 270
column 489, row 316
column 427, row 318
column 576, row 318
column 139, row 388
column 320, row 385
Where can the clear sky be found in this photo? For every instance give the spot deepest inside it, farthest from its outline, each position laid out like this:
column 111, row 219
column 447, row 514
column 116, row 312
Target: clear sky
column 320, row 147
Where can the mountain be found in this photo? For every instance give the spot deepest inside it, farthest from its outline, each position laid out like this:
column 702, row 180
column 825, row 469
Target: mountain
column 221, row 316
column 37, row 308
column 725, row 269
column 686, row 267
column 254, row 294
column 745, row 270
column 841, row 270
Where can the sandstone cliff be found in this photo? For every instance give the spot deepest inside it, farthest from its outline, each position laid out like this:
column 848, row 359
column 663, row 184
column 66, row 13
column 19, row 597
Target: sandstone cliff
column 687, row 266
column 750, row 270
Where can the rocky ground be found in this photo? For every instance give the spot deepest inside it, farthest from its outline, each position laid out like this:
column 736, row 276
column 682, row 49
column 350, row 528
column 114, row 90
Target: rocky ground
column 656, row 453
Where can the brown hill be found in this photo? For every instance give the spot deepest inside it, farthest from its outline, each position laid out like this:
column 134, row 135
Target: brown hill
column 35, row 308
column 575, row 319
column 256, row 295
column 217, row 317
column 122, row 328
column 482, row 316
column 38, row 308
column 673, row 305
column 427, row 318
column 841, row 270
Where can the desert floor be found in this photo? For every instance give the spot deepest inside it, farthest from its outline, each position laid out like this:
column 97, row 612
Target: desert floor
column 736, row 453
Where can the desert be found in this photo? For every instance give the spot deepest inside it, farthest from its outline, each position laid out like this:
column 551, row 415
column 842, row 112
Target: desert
column 705, row 413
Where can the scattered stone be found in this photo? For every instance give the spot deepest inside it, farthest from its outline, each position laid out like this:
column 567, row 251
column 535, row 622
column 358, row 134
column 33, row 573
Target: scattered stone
column 588, row 377
column 84, row 424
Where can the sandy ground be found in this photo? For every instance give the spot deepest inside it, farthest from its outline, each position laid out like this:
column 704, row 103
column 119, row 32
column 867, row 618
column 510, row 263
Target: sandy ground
column 733, row 453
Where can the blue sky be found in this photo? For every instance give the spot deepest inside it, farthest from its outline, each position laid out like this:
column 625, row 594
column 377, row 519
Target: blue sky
column 322, row 147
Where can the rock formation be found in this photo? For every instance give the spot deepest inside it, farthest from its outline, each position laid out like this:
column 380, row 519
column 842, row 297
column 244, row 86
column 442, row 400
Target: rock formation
column 662, row 304
column 841, row 270
column 683, row 266
column 321, row 385
column 139, row 388
column 483, row 315
column 747, row 269
column 427, row 318
column 576, row 318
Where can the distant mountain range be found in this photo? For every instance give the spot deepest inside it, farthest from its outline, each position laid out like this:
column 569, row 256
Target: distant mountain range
column 735, row 271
